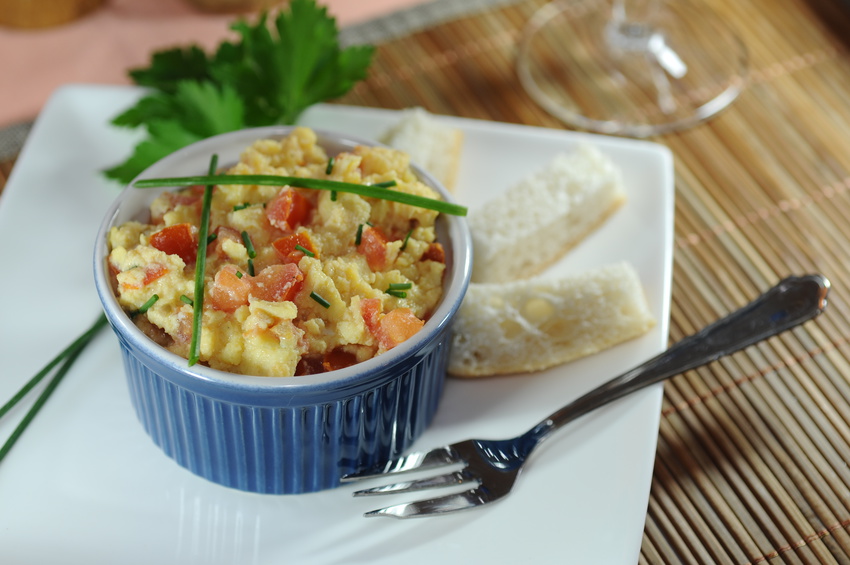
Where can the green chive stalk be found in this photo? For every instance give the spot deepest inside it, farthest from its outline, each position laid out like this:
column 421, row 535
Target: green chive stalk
column 200, row 270
column 377, row 190
column 66, row 357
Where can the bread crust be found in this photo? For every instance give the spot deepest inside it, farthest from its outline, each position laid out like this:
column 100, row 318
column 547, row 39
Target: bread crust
column 539, row 267
column 511, row 321
column 431, row 144
column 532, row 325
column 537, row 221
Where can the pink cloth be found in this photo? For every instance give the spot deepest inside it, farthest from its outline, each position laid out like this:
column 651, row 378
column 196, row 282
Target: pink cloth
column 122, row 34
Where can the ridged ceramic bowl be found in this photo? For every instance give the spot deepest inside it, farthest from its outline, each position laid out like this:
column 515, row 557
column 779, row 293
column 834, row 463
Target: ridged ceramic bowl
column 282, row 435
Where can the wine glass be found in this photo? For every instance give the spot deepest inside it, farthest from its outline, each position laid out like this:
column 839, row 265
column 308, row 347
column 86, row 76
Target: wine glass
column 631, row 67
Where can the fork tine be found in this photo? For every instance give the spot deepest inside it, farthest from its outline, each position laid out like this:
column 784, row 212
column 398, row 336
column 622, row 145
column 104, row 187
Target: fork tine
column 447, row 504
column 455, row 478
column 437, row 457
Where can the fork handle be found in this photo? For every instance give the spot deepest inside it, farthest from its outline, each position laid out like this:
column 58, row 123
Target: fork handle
column 791, row 302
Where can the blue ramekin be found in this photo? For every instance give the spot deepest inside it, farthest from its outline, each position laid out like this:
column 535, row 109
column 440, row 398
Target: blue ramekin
column 291, row 434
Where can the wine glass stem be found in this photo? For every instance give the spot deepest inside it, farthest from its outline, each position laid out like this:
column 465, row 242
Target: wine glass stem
column 634, row 10
column 630, row 28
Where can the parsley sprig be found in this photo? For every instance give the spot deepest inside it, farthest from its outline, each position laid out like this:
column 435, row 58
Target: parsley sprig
column 276, row 69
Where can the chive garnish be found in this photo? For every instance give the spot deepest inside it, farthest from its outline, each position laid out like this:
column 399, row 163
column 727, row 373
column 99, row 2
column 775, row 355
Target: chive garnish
column 212, row 237
column 371, row 191
column 406, row 239
column 251, row 267
column 78, row 344
column 385, row 184
column 241, row 206
column 305, row 251
column 359, row 237
column 200, row 270
column 39, row 402
column 320, row 300
column 146, row 306
column 398, row 289
column 328, row 170
column 249, row 245
column 186, row 300
column 67, row 357
column 238, row 274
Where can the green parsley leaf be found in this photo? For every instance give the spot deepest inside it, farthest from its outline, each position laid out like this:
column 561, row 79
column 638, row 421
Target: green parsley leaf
column 171, row 66
column 195, row 111
column 274, row 71
column 164, row 137
column 209, row 109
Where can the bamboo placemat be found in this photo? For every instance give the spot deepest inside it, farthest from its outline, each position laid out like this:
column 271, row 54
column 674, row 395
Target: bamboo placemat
column 752, row 454
column 753, row 451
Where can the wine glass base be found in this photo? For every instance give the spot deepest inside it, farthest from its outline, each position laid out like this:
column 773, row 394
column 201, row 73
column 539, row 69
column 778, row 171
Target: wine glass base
column 626, row 81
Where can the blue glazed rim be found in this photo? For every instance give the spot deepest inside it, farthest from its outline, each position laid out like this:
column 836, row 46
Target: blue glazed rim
column 428, row 348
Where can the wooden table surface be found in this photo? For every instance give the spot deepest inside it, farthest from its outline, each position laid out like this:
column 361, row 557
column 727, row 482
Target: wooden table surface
column 753, row 451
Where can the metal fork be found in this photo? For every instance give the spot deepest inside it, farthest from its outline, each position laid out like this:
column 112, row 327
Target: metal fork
column 494, row 465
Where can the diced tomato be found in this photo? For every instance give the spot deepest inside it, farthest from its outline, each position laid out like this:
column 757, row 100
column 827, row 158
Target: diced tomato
column 288, row 210
column 191, row 196
column 392, row 328
column 373, row 244
column 338, row 359
column 229, row 291
column 286, row 247
column 309, row 365
column 370, row 309
column 435, row 252
column 398, row 326
column 153, row 272
column 113, row 274
column 179, row 239
column 277, row 283
column 222, row 234
column 330, row 361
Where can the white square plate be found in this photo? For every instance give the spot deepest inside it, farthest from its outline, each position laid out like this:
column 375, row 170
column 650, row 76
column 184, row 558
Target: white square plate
column 86, row 485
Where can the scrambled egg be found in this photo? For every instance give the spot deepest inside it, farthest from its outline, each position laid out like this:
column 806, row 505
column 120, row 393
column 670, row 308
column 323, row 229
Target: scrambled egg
column 297, row 281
